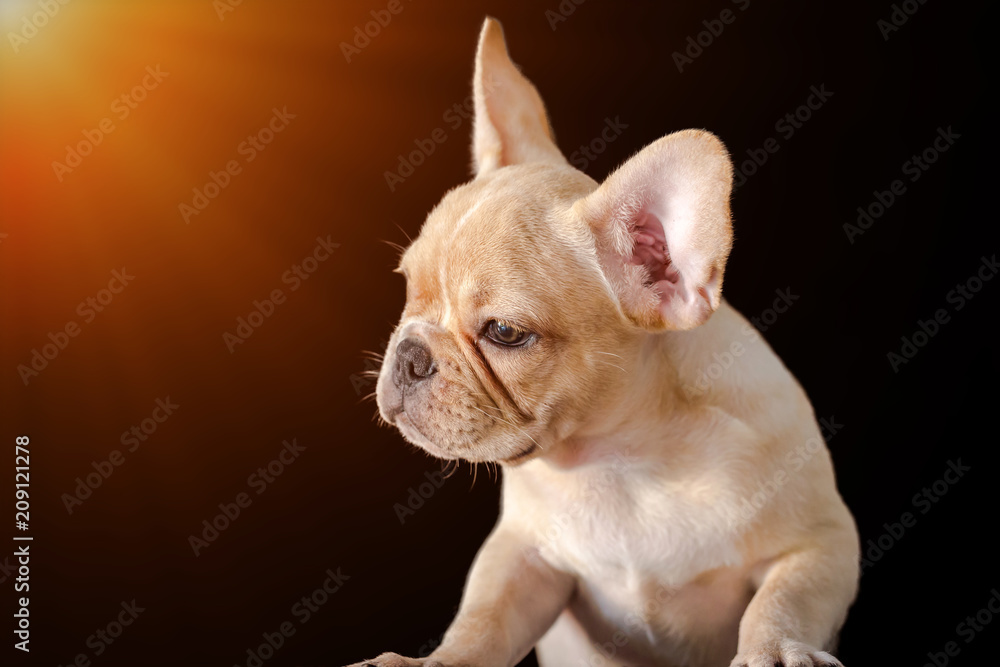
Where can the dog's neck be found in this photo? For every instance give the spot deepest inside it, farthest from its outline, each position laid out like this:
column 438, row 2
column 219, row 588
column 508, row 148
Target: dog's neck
column 662, row 373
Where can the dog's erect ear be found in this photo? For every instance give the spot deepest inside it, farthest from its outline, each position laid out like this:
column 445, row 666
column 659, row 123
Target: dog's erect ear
column 511, row 126
column 663, row 232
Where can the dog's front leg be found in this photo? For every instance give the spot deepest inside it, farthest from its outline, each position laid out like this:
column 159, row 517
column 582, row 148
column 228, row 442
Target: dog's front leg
column 800, row 605
column 511, row 599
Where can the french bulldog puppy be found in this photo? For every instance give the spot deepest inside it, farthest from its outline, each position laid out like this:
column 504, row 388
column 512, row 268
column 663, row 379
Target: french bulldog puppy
column 565, row 330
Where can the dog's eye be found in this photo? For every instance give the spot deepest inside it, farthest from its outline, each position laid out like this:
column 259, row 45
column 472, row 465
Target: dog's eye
column 507, row 334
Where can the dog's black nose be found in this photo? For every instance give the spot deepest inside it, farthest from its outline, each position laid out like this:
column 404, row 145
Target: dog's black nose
column 413, row 362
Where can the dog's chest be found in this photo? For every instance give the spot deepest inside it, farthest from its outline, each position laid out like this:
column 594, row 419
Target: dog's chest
column 652, row 556
column 635, row 529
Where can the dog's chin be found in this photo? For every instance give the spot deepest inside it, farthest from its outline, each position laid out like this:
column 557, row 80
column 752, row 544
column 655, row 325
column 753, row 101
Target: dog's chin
column 525, row 453
column 514, row 455
column 508, row 456
column 413, row 434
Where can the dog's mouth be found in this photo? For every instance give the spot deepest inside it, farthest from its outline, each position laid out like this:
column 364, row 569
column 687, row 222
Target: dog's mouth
column 523, row 454
column 413, row 434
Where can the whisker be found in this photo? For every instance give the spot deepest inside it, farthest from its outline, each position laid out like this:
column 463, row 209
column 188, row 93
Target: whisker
column 395, row 246
column 607, row 363
column 613, row 355
column 402, row 230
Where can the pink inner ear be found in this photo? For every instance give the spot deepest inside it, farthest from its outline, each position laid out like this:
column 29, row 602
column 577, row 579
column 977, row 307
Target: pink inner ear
column 651, row 251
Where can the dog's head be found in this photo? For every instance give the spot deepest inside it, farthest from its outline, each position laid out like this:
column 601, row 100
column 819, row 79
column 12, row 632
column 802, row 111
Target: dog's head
column 525, row 282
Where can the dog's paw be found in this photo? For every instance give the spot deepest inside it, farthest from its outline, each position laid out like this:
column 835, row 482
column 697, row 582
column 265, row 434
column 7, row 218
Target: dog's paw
column 395, row 660
column 785, row 654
